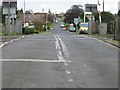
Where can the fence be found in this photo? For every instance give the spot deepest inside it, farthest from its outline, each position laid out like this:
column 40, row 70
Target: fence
column 113, row 28
column 117, row 29
column 12, row 27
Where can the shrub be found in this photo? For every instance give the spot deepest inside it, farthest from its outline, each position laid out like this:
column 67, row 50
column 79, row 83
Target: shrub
column 28, row 30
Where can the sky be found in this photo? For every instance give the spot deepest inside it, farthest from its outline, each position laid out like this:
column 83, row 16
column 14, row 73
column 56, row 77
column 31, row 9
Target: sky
column 57, row 6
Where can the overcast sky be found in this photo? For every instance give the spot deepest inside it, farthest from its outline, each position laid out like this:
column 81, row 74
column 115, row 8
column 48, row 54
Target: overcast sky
column 57, row 6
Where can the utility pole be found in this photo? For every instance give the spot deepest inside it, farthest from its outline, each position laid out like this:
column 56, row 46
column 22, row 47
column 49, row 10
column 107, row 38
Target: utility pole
column 103, row 5
column 24, row 12
column 9, row 29
column 99, row 11
column 84, row 13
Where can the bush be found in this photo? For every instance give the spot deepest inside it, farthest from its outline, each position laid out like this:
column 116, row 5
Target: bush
column 28, row 30
column 36, row 31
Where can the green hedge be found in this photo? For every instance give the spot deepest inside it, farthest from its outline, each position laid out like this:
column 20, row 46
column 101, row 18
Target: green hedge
column 28, row 30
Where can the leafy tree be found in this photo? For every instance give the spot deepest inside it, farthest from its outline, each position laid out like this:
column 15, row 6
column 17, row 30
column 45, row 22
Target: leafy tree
column 50, row 16
column 74, row 12
column 29, row 11
column 105, row 16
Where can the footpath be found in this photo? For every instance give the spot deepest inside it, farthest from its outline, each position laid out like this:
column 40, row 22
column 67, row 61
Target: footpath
column 107, row 38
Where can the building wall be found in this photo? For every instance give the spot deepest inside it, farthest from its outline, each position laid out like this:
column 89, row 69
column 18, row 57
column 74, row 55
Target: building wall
column 35, row 18
column 41, row 18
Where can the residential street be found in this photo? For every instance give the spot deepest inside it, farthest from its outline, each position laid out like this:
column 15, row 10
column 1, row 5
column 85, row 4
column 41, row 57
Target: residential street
column 59, row 59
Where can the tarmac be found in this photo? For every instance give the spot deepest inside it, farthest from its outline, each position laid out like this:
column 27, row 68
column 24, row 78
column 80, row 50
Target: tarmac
column 108, row 38
column 105, row 38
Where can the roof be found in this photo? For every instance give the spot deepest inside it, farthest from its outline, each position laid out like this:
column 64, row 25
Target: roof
column 10, row 0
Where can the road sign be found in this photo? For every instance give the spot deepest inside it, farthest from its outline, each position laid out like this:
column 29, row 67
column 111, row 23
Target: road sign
column 76, row 21
column 9, row 7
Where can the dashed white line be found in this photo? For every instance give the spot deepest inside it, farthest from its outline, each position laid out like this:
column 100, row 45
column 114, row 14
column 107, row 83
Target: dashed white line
column 68, row 72
column 65, row 64
column 84, row 65
column 70, row 80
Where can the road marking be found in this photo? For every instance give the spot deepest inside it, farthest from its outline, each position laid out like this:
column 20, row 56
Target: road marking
column 70, row 80
column 65, row 64
column 85, row 65
column 104, row 42
column 61, row 48
column 32, row 60
column 2, row 45
column 68, row 72
column 65, row 50
column 58, row 48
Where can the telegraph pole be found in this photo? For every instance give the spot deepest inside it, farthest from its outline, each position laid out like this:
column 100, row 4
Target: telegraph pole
column 84, row 13
column 9, row 29
column 24, row 11
column 103, row 5
column 99, row 11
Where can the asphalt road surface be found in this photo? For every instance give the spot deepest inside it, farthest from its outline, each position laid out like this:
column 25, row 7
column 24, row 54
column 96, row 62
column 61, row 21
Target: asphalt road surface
column 60, row 59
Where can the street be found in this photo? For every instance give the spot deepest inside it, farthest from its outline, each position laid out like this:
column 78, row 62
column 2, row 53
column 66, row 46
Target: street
column 59, row 59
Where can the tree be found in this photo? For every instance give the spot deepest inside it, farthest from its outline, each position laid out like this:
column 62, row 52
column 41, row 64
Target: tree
column 29, row 11
column 105, row 16
column 74, row 12
column 50, row 16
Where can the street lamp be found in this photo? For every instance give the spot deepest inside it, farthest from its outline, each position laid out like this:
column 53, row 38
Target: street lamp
column 24, row 12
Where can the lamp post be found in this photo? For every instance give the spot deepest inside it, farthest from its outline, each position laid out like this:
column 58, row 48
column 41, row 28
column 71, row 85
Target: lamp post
column 103, row 5
column 84, row 14
column 24, row 12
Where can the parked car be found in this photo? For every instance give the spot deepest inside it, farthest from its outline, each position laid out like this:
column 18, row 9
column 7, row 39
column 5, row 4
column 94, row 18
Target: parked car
column 72, row 29
column 83, row 28
column 62, row 25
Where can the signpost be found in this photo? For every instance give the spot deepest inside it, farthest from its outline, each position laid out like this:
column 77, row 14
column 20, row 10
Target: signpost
column 76, row 21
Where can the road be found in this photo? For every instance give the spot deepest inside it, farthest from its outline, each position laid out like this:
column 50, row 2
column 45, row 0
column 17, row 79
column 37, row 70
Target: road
column 60, row 59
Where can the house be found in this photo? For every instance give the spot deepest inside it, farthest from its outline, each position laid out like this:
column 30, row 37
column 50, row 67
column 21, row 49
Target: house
column 33, row 17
